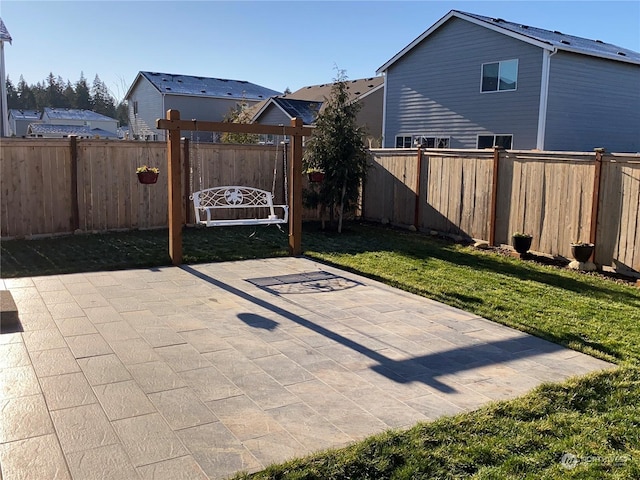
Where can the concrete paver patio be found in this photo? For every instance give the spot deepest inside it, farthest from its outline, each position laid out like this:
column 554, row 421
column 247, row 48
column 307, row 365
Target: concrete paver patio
column 203, row 371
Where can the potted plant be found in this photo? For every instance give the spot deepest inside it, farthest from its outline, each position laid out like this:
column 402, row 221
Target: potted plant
column 521, row 242
column 582, row 251
column 315, row 176
column 147, row 174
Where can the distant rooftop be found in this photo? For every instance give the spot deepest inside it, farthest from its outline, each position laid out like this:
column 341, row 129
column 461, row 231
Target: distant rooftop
column 67, row 130
column 20, row 114
column 208, row 87
column 75, row 114
column 4, row 33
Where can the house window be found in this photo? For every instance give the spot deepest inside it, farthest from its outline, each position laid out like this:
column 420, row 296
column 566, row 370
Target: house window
column 431, row 142
column 500, row 76
column 490, row 141
column 135, row 108
column 404, row 141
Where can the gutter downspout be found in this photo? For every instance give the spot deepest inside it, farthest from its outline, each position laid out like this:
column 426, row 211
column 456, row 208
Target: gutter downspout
column 544, row 97
column 384, row 111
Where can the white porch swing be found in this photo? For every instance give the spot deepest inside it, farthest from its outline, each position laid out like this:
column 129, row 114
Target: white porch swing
column 209, row 201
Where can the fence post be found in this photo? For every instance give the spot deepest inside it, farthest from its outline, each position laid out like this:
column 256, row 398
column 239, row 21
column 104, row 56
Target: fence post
column 188, row 184
column 494, row 195
column 416, row 213
column 295, row 191
column 75, row 205
column 595, row 200
column 175, row 188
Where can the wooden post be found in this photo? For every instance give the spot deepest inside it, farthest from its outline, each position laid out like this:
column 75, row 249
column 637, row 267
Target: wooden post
column 295, row 191
column 187, row 185
column 416, row 213
column 595, row 201
column 75, row 205
column 494, row 195
column 174, row 183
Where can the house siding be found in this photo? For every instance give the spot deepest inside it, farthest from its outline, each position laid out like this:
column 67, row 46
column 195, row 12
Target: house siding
column 592, row 103
column 272, row 115
column 370, row 117
column 149, row 109
column 434, row 89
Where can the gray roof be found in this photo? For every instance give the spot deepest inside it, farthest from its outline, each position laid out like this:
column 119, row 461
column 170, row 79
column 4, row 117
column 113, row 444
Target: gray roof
column 355, row 88
column 19, row 114
column 76, row 114
column 208, row 87
column 5, row 36
column 549, row 40
column 561, row 40
column 81, row 131
column 304, row 109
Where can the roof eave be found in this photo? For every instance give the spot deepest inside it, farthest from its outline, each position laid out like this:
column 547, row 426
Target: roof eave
column 615, row 58
column 462, row 16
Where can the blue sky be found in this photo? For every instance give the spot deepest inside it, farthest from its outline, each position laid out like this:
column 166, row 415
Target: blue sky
column 274, row 44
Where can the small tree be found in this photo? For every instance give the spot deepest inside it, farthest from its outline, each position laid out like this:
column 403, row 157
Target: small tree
column 239, row 114
column 337, row 149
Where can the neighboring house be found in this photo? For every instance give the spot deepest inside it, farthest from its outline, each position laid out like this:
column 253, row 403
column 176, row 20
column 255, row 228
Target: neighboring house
column 44, row 130
column 4, row 37
column 79, row 118
column 471, row 81
column 209, row 99
column 307, row 102
column 19, row 121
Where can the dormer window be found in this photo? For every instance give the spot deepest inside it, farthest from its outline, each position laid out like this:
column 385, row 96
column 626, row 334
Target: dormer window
column 499, row 76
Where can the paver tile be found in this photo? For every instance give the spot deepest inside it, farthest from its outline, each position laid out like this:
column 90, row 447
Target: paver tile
column 123, row 400
column 182, row 357
column 103, row 369
column 66, row 391
column 18, row 382
column 182, row 408
column 102, row 463
column 181, row 468
column 148, row 439
column 209, row 384
column 155, row 377
column 91, row 345
column 83, row 428
column 56, row 361
column 23, row 417
column 33, row 458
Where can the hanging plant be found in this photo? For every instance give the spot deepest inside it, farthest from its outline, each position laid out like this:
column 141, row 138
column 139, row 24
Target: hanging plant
column 147, row 175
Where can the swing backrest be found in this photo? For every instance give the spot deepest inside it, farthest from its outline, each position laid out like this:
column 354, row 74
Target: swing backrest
column 206, row 202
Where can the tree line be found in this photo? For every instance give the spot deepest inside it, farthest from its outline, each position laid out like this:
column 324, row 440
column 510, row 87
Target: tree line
column 55, row 92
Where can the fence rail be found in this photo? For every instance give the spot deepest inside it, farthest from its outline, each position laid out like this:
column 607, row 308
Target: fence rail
column 61, row 186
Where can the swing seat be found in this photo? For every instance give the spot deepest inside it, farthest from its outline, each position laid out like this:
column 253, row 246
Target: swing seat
column 227, row 198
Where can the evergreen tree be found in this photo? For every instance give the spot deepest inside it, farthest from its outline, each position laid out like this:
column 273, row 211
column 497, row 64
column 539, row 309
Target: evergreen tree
column 102, row 100
column 13, row 100
column 26, row 95
column 69, row 96
column 83, row 94
column 337, row 149
column 53, row 95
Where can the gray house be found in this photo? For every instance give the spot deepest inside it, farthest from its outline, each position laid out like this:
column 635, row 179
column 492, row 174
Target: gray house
column 19, row 121
column 307, row 102
column 471, row 81
column 61, row 123
column 152, row 94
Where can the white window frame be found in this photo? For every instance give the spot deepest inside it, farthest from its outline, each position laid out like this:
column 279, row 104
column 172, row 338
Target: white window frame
column 494, row 139
column 404, row 138
column 421, row 140
column 499, row 62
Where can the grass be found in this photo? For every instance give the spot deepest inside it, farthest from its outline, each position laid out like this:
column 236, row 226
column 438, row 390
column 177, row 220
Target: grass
column 596, row 418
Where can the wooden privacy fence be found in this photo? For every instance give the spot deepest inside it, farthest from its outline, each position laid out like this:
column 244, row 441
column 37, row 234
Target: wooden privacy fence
column 62, row 186
column 558, row 197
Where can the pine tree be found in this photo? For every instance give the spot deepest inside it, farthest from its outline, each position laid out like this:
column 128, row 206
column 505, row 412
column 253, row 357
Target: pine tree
column 337, row 149
column 83, row 94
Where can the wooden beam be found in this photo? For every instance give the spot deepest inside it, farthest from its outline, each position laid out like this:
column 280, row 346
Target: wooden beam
column 416, row 212
column 257, row 128
column 494, row 195
column 75, row 203
column 595, row 201
column 295, row 190
column 187, row 185
column 174, row 183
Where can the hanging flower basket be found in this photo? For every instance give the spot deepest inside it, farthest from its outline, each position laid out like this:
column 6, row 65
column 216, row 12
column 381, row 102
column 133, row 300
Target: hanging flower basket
column 316, row 177
column 147, row 175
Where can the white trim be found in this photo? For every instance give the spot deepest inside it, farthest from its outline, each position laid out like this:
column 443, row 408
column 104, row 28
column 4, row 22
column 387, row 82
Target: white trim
column 544, row 97
column 384, row 111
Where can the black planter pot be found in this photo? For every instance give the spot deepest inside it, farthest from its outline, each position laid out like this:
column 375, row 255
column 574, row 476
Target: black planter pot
column 521, row 244
column 147, row 178
column 582, row 252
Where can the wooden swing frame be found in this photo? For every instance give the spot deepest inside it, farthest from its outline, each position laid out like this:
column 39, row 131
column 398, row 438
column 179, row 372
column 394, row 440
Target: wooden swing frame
column 174, row 125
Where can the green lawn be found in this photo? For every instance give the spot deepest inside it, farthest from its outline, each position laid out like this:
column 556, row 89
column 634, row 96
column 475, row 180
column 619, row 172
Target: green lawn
column 596, row 418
